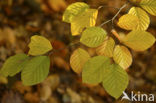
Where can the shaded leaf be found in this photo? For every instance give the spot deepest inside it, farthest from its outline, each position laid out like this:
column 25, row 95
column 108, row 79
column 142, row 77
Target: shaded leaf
column 93, row 36
column 94, row 69
column 143, row 18
column 78, row 59
column 18, row 86
column 139, row 40
column 85, row 19
column 39, row 45
column 32, row 97
column 128, row 22
column 56, row 5
column 73, row 10
column 3, row 80
column 115, row 80
column 14, row 65
column 36, row 70
column 107, row 47
column 61, row 63
column 122, row 56
column 149, row 6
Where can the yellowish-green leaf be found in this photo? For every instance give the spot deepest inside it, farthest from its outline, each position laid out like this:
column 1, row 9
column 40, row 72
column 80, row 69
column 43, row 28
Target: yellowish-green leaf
column 115, row 80
column 14, row 65
column 73, row 10
column 107, row 47
column 85, row 19
column 36, row 70
column 93, row 36
column 122, row 35
column 149, row 6
column 139, row 40
column 122, row 56
column 94, row 69
column 143, row 18
column 39, row 45
column 78, row 59
column 128, row 22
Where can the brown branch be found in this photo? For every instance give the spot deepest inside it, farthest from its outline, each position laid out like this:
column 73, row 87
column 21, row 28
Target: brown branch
column 120, row 9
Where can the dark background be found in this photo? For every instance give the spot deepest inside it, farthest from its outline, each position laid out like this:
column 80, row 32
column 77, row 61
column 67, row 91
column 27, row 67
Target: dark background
column 21, row 19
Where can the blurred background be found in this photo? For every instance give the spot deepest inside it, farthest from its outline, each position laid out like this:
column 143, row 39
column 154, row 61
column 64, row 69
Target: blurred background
column 21, row 19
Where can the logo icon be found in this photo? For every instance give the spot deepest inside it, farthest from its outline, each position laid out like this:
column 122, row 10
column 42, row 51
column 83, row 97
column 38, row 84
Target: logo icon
column 125, row 96
column 138, row 97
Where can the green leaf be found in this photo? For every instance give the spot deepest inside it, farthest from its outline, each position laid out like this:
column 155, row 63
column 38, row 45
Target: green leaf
column 143, row 18
column 122, row 56
column 39, row 45
column 85, row 19
column 107, row 47
column 149, row 6
column 14, row 65
column 139, row 40
column 36, row 70
column 78, row 59
column 128, row 22
column 93, row 36
column 115, row 80
column 94, row 69
column 73, row 10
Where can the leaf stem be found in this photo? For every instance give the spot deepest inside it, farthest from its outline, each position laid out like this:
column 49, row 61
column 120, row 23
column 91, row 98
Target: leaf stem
column 114, row 32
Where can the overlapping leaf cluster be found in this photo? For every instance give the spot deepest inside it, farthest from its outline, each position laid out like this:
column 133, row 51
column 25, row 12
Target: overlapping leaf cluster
column 34, row 68
column 99, row 69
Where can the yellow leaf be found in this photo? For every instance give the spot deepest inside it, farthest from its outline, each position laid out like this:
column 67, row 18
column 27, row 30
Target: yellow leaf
column 128, row 22
column 149, row 6
column 122, row 56
column 107, row 47
column 78, row 59
column 122, row 35
column 139, row 40
column 143, row 18
column 93, row 36
column 39, row 45
column 85, row 19
column 73, row 10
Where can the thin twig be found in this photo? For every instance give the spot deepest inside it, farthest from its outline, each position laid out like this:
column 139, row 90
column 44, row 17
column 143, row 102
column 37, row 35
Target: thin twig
column 106, row 6
column 120, row 9
column 119, row 12
column 105, row 22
